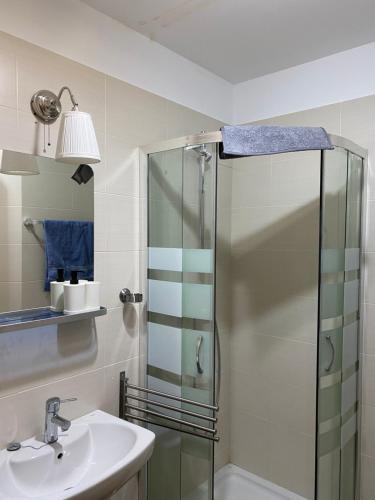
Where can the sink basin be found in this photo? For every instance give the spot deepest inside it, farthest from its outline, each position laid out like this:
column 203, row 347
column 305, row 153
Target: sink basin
column 94, row 458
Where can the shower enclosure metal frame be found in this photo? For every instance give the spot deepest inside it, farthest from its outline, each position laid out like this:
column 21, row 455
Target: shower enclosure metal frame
column 212, row 138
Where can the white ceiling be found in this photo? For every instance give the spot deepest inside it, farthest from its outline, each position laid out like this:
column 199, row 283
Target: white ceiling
column 243, row 39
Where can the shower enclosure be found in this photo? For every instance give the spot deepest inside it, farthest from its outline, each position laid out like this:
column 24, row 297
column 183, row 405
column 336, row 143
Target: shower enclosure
column 253, row 284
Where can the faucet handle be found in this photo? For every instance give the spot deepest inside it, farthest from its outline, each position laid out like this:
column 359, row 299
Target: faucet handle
column 69, row 400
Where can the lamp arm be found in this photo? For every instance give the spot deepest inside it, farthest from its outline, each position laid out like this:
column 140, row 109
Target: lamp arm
column 72, row 98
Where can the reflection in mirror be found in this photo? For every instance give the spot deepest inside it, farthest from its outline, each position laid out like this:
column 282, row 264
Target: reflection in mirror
column 26, row 202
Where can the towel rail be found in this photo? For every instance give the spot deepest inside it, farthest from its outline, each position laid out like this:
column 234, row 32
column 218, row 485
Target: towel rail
column 30, row 223
column 172, row 408
column 169, row 396
column 163, row 420
column 191, row 433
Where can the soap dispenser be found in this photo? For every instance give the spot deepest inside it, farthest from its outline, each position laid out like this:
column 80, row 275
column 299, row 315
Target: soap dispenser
column 74, row 295
column 57, row 292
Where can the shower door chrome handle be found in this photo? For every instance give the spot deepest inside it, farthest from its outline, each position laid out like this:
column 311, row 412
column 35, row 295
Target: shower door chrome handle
column 217, row 375
column 198, row 352
column 330, row 343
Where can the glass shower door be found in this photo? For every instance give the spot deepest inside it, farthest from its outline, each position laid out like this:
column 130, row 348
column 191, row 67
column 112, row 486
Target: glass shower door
column 339, row 314
column 181, row 251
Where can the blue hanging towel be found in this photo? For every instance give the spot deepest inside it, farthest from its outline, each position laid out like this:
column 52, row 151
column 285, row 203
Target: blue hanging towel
column 68, row 245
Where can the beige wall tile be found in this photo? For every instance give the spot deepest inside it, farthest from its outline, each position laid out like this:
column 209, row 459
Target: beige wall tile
column 251, row 182
column 295, row 178
column 10, row 190
column 134, row 115
column 368, row 377
column 122, row 169
column 10, row 224
column 368, row 430
column 324, row 116
column 10, row 263
column 49, row 354
column 271, row 399
column 276, row 228
column 273, row 358
column 356, row 120
column 116, row 270
column 250, row 449
column 112, row 377
column 368, row 329
column 88, row 86
column 9, row 136
column 184, row 121
column 19, row 424
column 8, row 82
column 10, row 296
column 293, row 462
column 367, row 478
column 81, row 359
column 370, row 277
column 370, row 240
column 119, row 330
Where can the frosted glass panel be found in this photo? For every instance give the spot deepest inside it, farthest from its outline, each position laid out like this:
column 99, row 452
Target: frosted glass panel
column 339, row 307
column 169, row 357
column 329, row 476
column 332, row 305
column 166, row 259
column 197, row 261
column 348, row 430
column 165, row 297
column 333, row 260
column 351, row 259
column 350, row 345
column 351, row 296
column 197, row 301
column 349, row 393
column 181, row 241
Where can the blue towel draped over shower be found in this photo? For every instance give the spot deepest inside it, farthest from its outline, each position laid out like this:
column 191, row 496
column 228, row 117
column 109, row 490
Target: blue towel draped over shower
column 68, row 245
column 256, row 140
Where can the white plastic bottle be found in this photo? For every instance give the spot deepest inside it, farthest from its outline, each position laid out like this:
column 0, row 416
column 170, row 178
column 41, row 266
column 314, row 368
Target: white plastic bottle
column 92, row 295
column 57, row 292
column 74, row 295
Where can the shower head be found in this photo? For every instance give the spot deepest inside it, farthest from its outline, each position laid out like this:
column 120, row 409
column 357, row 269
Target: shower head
column 201, row 150
column 206, row 154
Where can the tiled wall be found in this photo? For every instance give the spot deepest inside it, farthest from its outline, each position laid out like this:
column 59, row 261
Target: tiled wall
column 83, row 359
column 353, row 120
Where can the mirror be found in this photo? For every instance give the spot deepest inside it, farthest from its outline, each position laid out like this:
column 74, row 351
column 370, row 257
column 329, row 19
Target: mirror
column 42, row 189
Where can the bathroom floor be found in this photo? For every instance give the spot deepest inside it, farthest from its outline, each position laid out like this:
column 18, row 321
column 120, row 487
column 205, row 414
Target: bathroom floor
column 234, row 483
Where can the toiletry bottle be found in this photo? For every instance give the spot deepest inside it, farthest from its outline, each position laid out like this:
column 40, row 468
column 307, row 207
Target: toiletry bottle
column 92, row 295
column 74, row 295
column 57, row 292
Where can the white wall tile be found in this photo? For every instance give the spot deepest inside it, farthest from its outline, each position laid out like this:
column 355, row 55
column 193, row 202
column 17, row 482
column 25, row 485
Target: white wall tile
column 82, row 360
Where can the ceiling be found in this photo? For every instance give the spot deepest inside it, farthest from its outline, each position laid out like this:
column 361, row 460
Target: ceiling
column 243, row 39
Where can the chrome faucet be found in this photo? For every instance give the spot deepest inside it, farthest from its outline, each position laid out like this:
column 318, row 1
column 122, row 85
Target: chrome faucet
column 53, row 420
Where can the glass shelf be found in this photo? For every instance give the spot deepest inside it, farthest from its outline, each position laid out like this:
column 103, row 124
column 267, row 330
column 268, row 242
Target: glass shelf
column 42, row 316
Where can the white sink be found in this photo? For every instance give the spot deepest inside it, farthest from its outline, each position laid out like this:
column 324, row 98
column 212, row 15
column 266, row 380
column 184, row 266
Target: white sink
column 94, row 458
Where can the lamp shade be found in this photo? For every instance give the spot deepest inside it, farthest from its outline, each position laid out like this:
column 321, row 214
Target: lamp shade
column 77, row 142
column 13, row 163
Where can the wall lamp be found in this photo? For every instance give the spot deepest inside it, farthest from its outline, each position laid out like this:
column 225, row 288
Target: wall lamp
column 76, row 141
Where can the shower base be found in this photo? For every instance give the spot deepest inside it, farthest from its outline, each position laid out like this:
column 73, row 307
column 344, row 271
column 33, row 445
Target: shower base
column 234, row 483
